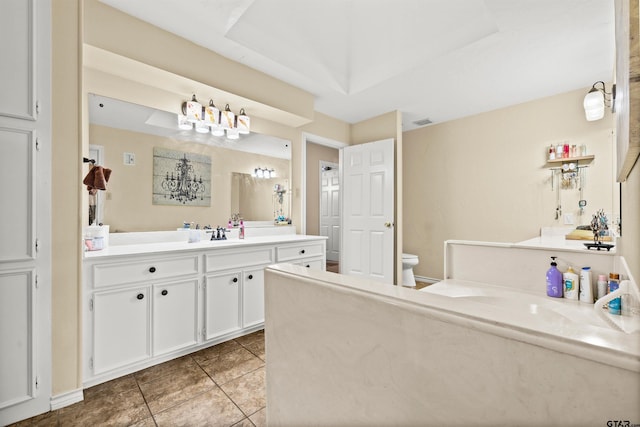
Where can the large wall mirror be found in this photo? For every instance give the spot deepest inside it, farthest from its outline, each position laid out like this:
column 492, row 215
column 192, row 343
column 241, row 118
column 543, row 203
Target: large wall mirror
column 143, row 147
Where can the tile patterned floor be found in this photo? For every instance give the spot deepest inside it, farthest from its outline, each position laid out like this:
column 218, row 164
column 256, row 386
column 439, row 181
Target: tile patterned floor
column 223, row 385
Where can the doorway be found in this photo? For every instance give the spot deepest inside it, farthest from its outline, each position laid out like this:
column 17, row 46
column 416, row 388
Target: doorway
column 330, row 210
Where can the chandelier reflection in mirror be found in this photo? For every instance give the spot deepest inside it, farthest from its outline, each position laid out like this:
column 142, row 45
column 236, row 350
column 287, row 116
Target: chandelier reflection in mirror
column 184, row 186
column 208, row 118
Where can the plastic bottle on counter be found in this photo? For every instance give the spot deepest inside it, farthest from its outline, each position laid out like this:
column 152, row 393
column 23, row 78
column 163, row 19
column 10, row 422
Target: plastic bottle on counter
column 614, row 304
column 241, row 233
column 602, row 285
column 586, row 290
column 554, row 280
column 571, row 283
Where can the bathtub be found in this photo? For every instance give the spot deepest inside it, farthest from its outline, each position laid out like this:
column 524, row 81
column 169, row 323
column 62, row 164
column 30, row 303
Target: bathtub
column 456, row 353
column 569, row 325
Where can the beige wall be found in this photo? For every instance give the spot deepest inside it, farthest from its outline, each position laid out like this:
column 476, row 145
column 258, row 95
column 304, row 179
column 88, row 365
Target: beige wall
column 66, row 289
column 130, row 207
column 315, row 154
column 485, row 177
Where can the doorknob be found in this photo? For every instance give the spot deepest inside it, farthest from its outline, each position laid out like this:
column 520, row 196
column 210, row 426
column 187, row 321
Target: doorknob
column 388, row 224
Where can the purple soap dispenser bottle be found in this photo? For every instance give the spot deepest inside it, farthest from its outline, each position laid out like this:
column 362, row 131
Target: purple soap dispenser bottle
column 554, row 280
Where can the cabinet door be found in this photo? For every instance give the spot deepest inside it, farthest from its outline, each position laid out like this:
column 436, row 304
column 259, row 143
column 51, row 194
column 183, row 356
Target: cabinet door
column 175, row 314
column 253, row 297
column 121, row 328
column 222, row 308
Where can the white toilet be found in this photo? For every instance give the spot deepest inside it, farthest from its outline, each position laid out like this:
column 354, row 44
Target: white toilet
column 408, row 262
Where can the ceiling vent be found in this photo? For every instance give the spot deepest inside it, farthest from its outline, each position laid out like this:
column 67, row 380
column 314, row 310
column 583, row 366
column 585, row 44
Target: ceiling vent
column 422, row 122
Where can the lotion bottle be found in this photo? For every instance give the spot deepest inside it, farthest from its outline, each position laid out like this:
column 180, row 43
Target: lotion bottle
column 586, row 290
column 554, row 280
column 571, row 284
column 241, row 233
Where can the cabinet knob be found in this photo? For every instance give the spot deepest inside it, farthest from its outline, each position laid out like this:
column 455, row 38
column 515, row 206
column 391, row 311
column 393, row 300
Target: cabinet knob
column 308, row 266
column 152, row 269
column 140, row 296
column 235, row 279
column 250, row 276
column 302, row 251
column 164, row 292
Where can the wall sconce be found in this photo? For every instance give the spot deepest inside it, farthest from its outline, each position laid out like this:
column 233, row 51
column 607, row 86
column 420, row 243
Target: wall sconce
column 209, row 118
column 597, row 99
column 264, row 173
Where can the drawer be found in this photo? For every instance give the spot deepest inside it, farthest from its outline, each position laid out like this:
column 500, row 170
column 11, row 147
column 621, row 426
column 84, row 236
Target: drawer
column 144, row 270
column 314, row 264
column 238, row 258
column 300, row 250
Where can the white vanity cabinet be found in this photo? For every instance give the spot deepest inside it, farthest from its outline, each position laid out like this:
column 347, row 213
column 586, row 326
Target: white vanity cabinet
column 149, row 303
column 139, row 307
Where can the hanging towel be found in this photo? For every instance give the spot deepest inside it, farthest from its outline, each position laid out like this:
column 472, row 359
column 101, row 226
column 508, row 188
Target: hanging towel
column 97, row 179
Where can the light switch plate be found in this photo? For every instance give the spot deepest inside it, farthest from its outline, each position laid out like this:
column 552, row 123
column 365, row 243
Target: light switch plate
column 129, row 158
column 568, row 219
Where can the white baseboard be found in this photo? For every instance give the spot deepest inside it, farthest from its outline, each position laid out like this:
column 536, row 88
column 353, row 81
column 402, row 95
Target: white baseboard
column 429, row 280
column 66, row 399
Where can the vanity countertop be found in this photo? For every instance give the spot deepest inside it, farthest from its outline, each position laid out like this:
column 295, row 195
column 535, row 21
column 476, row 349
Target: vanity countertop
column 163, row 247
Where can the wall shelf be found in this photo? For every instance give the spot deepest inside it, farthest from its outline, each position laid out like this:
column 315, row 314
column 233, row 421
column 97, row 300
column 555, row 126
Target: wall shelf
column 572, row 159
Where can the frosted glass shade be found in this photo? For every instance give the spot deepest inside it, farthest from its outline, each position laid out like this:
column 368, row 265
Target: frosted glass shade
column 594, row 105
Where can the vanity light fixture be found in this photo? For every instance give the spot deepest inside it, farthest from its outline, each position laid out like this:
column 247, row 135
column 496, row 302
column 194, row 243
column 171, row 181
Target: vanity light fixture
column 596, row 100
column 210, row 118
column 264, row 173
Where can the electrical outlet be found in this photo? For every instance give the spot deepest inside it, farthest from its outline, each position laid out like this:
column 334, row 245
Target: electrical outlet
column 568, row 219
column 129, row 158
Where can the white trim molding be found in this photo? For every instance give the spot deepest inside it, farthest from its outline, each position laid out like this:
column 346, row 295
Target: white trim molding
column 66, row 399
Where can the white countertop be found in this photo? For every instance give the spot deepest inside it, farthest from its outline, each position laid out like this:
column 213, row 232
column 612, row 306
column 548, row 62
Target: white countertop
column 560, row 243
column 162, row 247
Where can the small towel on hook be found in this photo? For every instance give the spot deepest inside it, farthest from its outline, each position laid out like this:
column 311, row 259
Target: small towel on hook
column 97, row 179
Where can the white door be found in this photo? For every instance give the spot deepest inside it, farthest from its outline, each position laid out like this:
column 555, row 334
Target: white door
column 330, row 209
column 25, row 212
column 367, row 210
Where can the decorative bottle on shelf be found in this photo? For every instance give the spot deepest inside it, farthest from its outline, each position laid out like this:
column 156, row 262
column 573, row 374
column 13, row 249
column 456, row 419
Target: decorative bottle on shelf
column 241, row 233
column 554, row 280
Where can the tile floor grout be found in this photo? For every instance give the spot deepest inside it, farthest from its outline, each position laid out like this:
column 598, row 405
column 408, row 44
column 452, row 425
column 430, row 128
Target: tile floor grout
column 100, row 405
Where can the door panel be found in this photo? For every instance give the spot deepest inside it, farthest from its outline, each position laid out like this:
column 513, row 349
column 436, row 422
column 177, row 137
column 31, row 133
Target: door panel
column 121, row 322
column 16, row 335
column 17, row 71
column 330, row 210
column 175, row 316
column 368, row 210
column 17, row 148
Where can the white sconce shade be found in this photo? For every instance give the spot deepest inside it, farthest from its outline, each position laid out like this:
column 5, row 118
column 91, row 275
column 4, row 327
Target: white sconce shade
column 202, row 127
column 594, row 105
column 233, row 134
column 217, row 131
column 211, row 114
column 193, row 110
column 243, row 123
column 183, row 123
column 227, row 118
column 259, row 173
column 273, row 173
